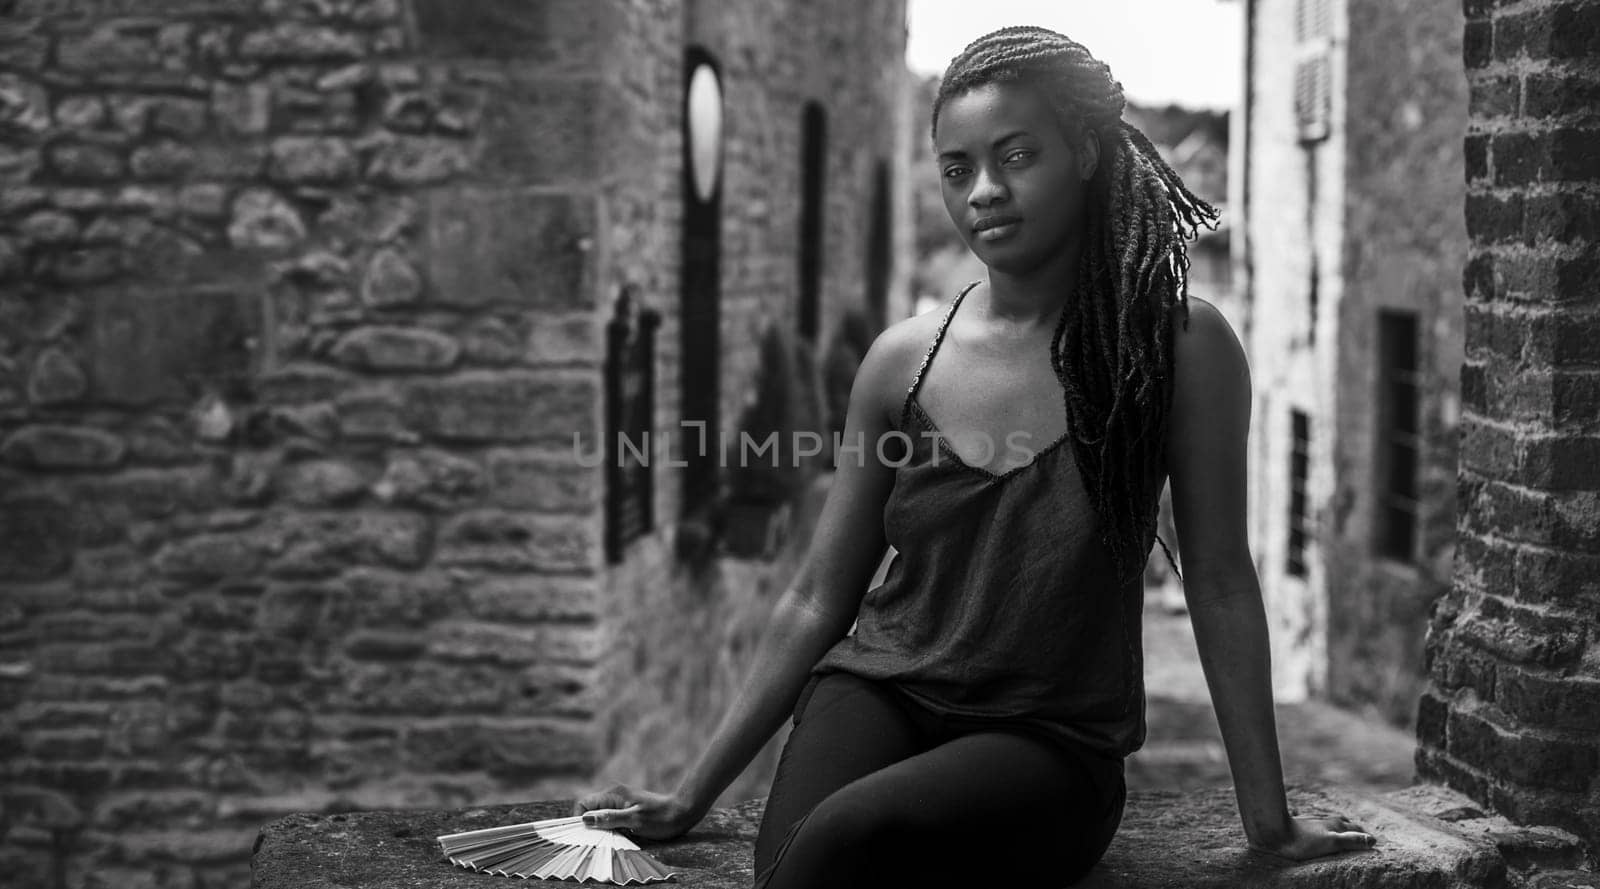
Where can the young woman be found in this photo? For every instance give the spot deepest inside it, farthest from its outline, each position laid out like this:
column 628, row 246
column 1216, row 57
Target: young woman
column 979, row 716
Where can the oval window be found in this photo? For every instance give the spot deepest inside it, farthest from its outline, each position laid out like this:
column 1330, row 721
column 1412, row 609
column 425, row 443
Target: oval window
column 705, row 130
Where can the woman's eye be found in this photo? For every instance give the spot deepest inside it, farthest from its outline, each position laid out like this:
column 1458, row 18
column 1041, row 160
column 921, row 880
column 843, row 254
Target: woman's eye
column 954, row 172
column 1019, row 154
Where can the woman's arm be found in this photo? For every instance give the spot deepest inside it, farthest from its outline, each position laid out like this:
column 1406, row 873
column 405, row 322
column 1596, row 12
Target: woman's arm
column 1206, row 462
column 822, row 601
column 813, row 613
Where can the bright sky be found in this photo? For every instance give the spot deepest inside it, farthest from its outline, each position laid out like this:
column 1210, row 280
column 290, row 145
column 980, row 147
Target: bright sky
column 1182, row 51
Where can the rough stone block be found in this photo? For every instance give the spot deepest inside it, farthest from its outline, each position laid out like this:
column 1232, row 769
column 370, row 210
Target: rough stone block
column 396, row 349
column 563, row 642
column 301, row 42
column 510, row 247
column 507, row 407
column 160, row 345
column 36, row 539
column 513, row 749
column 1522, row 634
column 545, row 131
column 384, row 598
column 166, row 159
column 514, row 541
column 312, row 159
column 1525, row 848
column 327, row 543
column 1483, row 738
column 322, row 482
column 492, row 341
column 211, row 556
column 390, row 280
column 531, row 597
column 430, row 478
column 570, row 338
column 543, row 482
column 373, row 415
column 242, row 109
column 52, row 446
column 417, row 160
column 410, row 685
column 263, row 220
column 1167, row 838
column 85, row 163
column 557, row 33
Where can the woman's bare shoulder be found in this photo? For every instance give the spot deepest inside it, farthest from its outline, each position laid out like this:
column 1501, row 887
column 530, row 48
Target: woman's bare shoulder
column 1203, row 312
column 890, row 364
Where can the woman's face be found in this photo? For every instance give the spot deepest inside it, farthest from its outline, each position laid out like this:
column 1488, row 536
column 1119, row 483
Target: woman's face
column 1012, row 182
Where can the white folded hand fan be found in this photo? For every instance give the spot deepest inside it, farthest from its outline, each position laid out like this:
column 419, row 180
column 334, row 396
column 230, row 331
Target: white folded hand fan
column 555, row 849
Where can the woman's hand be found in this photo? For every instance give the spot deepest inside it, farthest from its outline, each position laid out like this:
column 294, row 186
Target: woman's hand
column 656, row 816
column 1315, row 836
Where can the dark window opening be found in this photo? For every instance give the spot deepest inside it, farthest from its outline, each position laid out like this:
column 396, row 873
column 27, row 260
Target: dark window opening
column 630, row 415
column 700, row 296
column 1312, row 299
column 813, row 164
column 1313, row 271
column 1398, row 439
column 880, row 250
column 1299, row 470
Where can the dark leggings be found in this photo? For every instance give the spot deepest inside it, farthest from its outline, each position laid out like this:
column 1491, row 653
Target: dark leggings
column 873, row 790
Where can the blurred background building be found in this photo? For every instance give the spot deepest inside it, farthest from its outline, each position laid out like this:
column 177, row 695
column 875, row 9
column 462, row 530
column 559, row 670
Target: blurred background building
column 1349, row 200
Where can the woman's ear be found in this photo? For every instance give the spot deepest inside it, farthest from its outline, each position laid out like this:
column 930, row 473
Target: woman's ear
column 1089, row 154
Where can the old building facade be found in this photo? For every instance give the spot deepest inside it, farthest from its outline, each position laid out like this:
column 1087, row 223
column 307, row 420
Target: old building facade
column 1348, row 184
column 312, row 325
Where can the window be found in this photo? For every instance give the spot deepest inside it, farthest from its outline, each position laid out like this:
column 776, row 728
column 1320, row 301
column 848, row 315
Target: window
column 1313, row 276
column 1398, row 443
column 880, row 250
column 813, row 166
column 630, row 413
column 700, row 296
column 1299, row 469
column 1313, row 70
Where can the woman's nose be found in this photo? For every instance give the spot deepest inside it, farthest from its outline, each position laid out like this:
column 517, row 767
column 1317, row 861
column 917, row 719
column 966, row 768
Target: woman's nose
column 987, row 189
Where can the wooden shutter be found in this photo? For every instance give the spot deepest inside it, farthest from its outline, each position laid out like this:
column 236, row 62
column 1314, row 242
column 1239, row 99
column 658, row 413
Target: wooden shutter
column 1313, row 70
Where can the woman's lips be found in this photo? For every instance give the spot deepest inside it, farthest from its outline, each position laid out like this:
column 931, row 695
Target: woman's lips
column 997, row 232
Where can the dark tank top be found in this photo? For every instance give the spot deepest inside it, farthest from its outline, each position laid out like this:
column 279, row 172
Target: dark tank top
column 1001, row 601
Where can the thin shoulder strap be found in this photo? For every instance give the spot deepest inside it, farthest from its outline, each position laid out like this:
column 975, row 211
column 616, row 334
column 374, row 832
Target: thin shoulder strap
column 916, row 381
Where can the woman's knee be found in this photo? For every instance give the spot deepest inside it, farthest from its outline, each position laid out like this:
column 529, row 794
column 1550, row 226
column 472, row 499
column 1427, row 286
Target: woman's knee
column 852, row 824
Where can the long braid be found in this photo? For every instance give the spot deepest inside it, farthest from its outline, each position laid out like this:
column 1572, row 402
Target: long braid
column 1112, row 348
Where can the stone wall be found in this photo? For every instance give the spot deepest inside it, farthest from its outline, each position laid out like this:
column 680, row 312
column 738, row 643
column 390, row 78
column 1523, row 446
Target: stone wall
column 1404, row 245
column 683, row 637
column 302, row 305
column 1514, row 684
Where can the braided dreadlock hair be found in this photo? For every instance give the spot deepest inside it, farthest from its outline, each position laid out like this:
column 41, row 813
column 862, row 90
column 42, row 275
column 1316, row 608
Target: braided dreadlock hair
column 1112, row 349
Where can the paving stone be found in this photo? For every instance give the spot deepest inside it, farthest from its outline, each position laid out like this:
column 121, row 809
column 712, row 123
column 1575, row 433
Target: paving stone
column 1167, row 839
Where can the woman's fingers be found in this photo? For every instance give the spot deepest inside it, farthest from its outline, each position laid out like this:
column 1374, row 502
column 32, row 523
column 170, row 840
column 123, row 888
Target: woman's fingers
column 610, row 798
column 1354, row 839
column 1351, row 835
column 613, row 818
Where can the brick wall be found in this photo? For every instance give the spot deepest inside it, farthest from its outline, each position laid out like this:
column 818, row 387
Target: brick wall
column 302, row 303
column 1514, row 683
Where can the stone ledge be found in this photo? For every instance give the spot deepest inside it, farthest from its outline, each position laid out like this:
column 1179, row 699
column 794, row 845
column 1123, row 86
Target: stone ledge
column 1167, row 839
